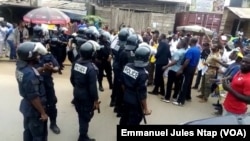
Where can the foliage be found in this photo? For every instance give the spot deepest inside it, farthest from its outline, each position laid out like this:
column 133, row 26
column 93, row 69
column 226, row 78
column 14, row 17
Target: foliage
column 93, row 19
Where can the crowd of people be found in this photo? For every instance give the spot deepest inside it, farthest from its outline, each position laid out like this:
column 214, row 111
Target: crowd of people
column 131, row 62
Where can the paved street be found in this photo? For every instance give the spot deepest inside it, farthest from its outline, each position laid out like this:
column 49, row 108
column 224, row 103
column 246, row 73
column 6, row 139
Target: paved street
column 103, row 125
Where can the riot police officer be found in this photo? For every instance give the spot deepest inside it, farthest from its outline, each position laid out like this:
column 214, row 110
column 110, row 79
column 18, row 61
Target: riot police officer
column 84, row 78
column 122, row 36
column 49, row 60
column 31, row 89
column 74, row 45
column 127, row 55
column 38, row 35
column 134, row 78
column 103, row 60
column 63, row 41
column 81, row 32
column 92, row 34
column 54, row 45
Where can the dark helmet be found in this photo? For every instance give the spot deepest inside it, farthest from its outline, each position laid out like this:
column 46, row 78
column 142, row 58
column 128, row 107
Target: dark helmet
column 79, row 41
column 38, row 31
column 133, row 42
column 62, row 30
column 142, row 54
column 123, row 34
column 91, row 35
column 81, row 32
column 104, row 36
column 87, row 50
column 28, row 51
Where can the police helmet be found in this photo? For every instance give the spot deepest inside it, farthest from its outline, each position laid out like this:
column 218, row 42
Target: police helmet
column 38, row 31
column 91, row 35
column 104, row 35
column 28, row 51
column 63, row 30
column 142, row 54
column 132, row 42
column 81, row 31
column 79, row 41
column 87, row 50
column 153, row 50
column 123, row 34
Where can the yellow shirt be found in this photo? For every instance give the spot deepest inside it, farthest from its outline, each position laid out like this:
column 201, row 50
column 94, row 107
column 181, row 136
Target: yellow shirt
column 152, row 58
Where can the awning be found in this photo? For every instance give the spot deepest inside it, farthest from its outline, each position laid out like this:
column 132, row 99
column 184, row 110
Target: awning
column 242, row 13
column 74, row 14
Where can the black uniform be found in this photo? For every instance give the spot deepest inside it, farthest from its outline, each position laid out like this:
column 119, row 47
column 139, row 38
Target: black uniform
column 127, row 56
column 134, row 80
column 116, row 51
column 102, row 59
column 50, row 90
column 103, row 64
column 62, row 49
column 31, row 88
column 73, row 54
column 84, row 78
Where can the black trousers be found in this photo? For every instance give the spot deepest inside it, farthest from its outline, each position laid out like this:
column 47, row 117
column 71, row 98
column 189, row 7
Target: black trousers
column 131, row 115
column 185, row 93
column 104, row 66
column 35, row 129
column 51, row 108
column 177, row 81
column 198, row 79
column 159, row 81
column 85, row 114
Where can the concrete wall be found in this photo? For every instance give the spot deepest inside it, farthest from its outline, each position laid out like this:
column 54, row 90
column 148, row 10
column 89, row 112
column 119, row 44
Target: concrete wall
column 227, row 21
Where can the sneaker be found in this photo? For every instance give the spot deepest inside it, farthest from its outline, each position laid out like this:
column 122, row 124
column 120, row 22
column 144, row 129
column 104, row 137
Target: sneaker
column 165, row 100
column 223, row 95
column 177, row 103
column 175, row 99
column 214, row 95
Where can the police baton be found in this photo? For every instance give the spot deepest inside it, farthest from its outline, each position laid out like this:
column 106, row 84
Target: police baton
column 98, row 110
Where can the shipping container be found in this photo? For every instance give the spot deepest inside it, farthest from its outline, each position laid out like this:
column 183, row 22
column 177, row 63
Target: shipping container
column 209, row 20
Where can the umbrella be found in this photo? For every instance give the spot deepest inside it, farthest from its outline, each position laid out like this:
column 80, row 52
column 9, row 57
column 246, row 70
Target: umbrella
column 46, row 15
column 195, row 28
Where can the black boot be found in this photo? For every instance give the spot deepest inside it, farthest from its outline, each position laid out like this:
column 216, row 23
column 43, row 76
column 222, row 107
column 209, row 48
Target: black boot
column 55, row 128
column 112, row 103
column 100, row 86
column 110, row 83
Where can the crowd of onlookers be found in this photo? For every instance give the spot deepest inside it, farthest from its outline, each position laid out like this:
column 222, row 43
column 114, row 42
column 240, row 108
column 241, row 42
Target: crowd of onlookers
column 11, row 35
column 214, row 59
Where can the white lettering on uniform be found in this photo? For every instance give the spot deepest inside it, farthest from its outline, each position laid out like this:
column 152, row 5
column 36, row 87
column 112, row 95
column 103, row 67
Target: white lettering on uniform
column 19, row 76
column 80, row 68
column 130, row 72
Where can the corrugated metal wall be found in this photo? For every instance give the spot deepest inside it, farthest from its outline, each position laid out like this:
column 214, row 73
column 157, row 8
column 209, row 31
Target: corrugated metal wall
column 209, row 20
column 138, row 20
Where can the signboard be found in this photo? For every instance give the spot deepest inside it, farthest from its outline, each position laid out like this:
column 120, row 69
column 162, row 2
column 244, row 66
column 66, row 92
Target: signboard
column 215, row 6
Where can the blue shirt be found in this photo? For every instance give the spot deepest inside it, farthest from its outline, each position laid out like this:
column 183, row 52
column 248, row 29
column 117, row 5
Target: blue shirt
column 178, row 56
column 232, row 69
column 193, row 54
column 81, row 26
